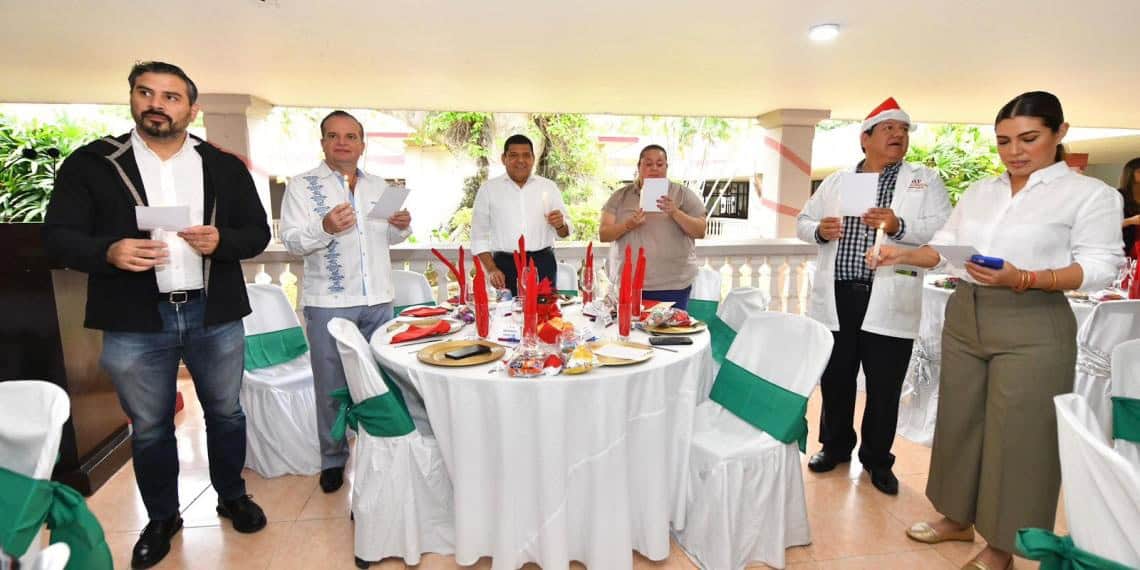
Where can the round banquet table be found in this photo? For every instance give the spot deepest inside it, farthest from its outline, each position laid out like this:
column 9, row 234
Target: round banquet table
column 557, row 468
column 918, row 402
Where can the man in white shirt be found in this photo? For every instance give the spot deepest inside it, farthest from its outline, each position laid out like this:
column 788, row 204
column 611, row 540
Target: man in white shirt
column 515, row 204
column 348, row 273
column 873, row 315
column 163, row 297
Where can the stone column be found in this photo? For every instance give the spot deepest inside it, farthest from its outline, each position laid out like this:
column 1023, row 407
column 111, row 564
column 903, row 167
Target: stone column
column 233, row 122
column 783, row 183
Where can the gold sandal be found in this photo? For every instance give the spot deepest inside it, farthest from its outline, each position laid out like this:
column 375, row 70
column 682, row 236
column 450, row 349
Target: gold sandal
column 924, row 533
column 976, row 564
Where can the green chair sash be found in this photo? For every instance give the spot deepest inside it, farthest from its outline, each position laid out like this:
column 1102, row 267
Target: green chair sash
column 720, row 338
column 1126, row 418
column 1059, row 553
column 773, row 409
column 380, row 416
column 26, row 504
column 273, row 348
column 400, row 308
column 702, row 309
column 568, row 292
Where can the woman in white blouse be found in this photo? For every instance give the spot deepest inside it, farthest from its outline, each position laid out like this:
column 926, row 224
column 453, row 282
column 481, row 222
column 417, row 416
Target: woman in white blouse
column 1009, row 340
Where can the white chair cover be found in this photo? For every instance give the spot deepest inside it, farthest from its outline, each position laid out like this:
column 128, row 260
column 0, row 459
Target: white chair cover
column 401, row 492
column 567, row 279
column 1102, row 489
column 740, row 305
column 1126, row 383
column 32, row 413
column 411, row 288
column 1110, row 324
column 918, row 400
column 706, row 287
column 278, row 400
column 745, row 499
column 54, row 557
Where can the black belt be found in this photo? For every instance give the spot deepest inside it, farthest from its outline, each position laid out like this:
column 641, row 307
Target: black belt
column 179, row 297
column 543, row 251
column 862, row 286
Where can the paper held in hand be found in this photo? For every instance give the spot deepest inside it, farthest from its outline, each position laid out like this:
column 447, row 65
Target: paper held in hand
column 651, row 190
column 173, row 218
column 957, row 255
column 857, row 193
column 390, row 202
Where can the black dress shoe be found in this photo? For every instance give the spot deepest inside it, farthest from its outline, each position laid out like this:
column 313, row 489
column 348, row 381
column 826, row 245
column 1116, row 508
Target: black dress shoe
column 154, row 542
column 245, row 514
column 823, row 462
column 885, row 481
column 331, row 479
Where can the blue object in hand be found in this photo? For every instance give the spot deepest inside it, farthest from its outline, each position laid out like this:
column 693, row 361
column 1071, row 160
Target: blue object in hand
column 991, row 262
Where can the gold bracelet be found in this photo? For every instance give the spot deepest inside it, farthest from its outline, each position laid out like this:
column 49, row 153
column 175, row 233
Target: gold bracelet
column 1053, row 283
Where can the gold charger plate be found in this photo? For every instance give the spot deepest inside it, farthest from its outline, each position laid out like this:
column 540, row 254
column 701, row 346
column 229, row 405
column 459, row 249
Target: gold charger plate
column 434, row 354
column 611, row 361
column 696, row 327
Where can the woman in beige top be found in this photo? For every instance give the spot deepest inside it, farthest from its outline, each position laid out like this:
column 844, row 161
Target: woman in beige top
column 667, row 236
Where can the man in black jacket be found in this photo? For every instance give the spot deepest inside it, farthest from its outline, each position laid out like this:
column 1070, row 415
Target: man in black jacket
column 176, row 293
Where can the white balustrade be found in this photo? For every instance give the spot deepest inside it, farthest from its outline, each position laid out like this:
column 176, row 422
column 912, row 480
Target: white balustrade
column 782, row 268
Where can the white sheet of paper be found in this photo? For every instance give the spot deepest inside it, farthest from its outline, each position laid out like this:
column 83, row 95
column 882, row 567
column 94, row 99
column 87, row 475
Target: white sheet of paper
column 956, row 254
column 173, row 218
column 857, row 193
column 389, row 203
column 651, row 190
column 619, row 351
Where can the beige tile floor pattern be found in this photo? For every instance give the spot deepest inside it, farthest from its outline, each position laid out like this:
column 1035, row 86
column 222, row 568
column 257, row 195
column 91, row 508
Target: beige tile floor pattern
column 854, row 526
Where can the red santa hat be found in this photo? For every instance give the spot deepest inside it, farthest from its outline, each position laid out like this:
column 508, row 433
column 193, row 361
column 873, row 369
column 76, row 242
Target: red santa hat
column 886, row 111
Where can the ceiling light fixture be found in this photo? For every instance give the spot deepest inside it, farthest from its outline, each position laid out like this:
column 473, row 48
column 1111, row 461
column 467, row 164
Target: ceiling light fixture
column 823, row 32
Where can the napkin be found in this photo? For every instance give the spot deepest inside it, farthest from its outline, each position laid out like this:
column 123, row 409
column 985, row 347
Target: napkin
column 625, row 292
column 588, row 273
column 482, row 313
column 638, row 280
column 530, row 304
column 520, row 263
column 424, row 312
column 415, row 332
column 458, row 271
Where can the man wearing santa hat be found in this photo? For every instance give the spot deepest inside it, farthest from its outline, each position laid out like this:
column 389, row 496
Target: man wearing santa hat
column 873, row 314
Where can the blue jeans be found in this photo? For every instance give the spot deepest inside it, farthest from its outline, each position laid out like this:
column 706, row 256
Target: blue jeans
column 328, row 372
column 679, row 297
column 144, row 368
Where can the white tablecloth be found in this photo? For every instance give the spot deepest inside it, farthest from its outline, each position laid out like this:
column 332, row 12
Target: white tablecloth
column 562, row 468
column 918, row 403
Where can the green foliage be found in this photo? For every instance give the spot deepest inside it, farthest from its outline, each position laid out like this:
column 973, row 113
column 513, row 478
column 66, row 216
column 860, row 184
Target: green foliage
column 833, row 124
column 464, row 133
column 961, row 154
column 26, row 184
column 584, row 222
column 457, row 229
column 571, row 156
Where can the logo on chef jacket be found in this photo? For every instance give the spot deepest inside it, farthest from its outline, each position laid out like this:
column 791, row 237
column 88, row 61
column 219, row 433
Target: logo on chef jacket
column 916, row 184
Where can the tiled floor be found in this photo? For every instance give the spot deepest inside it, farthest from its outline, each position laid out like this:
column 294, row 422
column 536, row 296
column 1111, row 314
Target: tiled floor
column 853, row 525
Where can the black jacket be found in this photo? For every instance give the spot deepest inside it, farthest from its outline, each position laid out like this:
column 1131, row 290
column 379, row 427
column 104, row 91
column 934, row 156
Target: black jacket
column 93, row 206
